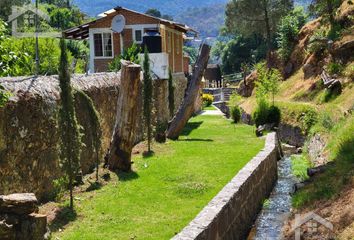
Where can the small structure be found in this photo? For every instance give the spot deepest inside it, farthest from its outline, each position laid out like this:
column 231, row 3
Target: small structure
column 164, row 38
column 213, row 76
column 19, row 218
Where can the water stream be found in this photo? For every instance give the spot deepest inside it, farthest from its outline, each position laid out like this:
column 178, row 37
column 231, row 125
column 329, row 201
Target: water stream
column 276, row 209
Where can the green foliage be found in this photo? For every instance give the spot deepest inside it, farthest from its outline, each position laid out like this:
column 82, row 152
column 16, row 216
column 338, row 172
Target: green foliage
column 17, row 55
column 325, row 9
column 235, row 99
column 235, row 113
column 260, row 115
column 153, row 12
column 172, row 178
column 70, row 144
column 94, row 125
column 300, row 115
column 60, row 185
column 250, row 17
column 192, row 52
column 6, row 5
column 267, row 81
column 13, row 61
column 299, row 166
column 334, row 68
column 337, row 176
column 318, row 41
column 130, row 54
column 65, row 18
column 237, row 50
column 207, row 99
column 274, row 115
column 288, row 30
column 147, row 91
column 4, row 96
column 171, row 94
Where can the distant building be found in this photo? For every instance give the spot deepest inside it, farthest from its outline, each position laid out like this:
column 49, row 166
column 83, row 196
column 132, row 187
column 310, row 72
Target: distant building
column 164, row 38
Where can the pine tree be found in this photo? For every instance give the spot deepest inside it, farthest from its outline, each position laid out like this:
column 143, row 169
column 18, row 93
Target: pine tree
column 69, row 129
column 250, row 17
column 147, row 85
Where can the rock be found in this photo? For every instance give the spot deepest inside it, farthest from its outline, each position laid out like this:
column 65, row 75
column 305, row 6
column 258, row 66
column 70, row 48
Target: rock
column 289, row 148
column 18, row 203
column 259, row 131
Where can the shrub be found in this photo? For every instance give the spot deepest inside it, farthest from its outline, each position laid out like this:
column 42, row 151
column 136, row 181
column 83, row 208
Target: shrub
column 235, row 113
column 334, row 68
column 274, row 115
column 318, row 41
column 260, row 115
column 207, row 99
column 308, row 119
column 131, row 54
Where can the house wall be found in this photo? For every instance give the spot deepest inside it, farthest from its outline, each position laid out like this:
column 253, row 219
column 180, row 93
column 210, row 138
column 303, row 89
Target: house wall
column 133, row 21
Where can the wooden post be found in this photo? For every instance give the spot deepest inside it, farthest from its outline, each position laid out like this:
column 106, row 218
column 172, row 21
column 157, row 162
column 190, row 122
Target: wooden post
column 187, row 108
column 119, row 156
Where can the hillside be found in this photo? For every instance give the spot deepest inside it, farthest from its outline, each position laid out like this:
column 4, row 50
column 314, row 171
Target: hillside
column 207, row 20
column 325, row 116
column 171, row 7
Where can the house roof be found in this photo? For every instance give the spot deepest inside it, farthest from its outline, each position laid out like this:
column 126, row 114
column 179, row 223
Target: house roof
column 82, row 32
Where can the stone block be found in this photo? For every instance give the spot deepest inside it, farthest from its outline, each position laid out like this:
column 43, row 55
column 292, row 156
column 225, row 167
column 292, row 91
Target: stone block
column 18, row 203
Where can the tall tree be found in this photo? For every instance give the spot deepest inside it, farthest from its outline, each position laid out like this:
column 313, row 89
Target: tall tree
column 6, row 6
column 70, row 145
column 250, row 17
column 186, row 110
column 326, row 8
column 147, row 91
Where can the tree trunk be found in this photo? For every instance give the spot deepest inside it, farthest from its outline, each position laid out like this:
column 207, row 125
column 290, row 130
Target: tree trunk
column 119, row 155
column 268, row 32
column 187, row 108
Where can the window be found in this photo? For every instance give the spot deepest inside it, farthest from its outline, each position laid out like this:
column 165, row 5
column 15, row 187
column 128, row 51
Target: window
column 138, row 36
column 103, row 44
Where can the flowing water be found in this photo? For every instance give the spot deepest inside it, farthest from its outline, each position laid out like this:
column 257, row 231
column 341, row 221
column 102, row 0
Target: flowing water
column 276, row 209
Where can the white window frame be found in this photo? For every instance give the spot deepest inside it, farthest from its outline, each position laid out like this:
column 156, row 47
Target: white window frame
column 134, row 35
column 140, row 27
column 101, row 31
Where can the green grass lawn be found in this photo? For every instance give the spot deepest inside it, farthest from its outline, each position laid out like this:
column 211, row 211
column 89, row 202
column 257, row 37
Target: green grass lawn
column 167, row 190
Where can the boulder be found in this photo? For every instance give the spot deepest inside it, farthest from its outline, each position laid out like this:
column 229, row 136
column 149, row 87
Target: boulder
column 18, row 203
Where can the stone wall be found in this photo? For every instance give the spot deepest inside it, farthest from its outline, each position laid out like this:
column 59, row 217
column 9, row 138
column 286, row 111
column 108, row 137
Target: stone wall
column 292, row 135
column 29, row 138
column 232, row 212
column 19, row 218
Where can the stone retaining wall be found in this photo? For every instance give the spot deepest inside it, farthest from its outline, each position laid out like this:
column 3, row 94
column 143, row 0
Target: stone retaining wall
column 232, row 212
column 29, row 138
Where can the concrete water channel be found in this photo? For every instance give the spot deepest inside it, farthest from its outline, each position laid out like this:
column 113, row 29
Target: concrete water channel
column 276, row 209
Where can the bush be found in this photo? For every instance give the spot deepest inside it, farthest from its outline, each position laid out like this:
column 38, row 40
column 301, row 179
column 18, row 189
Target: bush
column 274, row 115
column 207, row 99
column 236, row 114
column 318, row 42
column 334, row 68
column 260, row 115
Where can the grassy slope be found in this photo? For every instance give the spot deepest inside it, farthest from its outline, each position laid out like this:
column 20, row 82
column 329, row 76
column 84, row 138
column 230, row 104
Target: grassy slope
column 168, row 189
column 296, row 96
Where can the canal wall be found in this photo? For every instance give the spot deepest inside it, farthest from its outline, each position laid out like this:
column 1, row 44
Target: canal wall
column 231, row 213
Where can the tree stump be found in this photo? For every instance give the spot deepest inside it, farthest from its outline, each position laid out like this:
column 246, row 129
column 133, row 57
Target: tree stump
column 119, row 155
column 187, row 108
